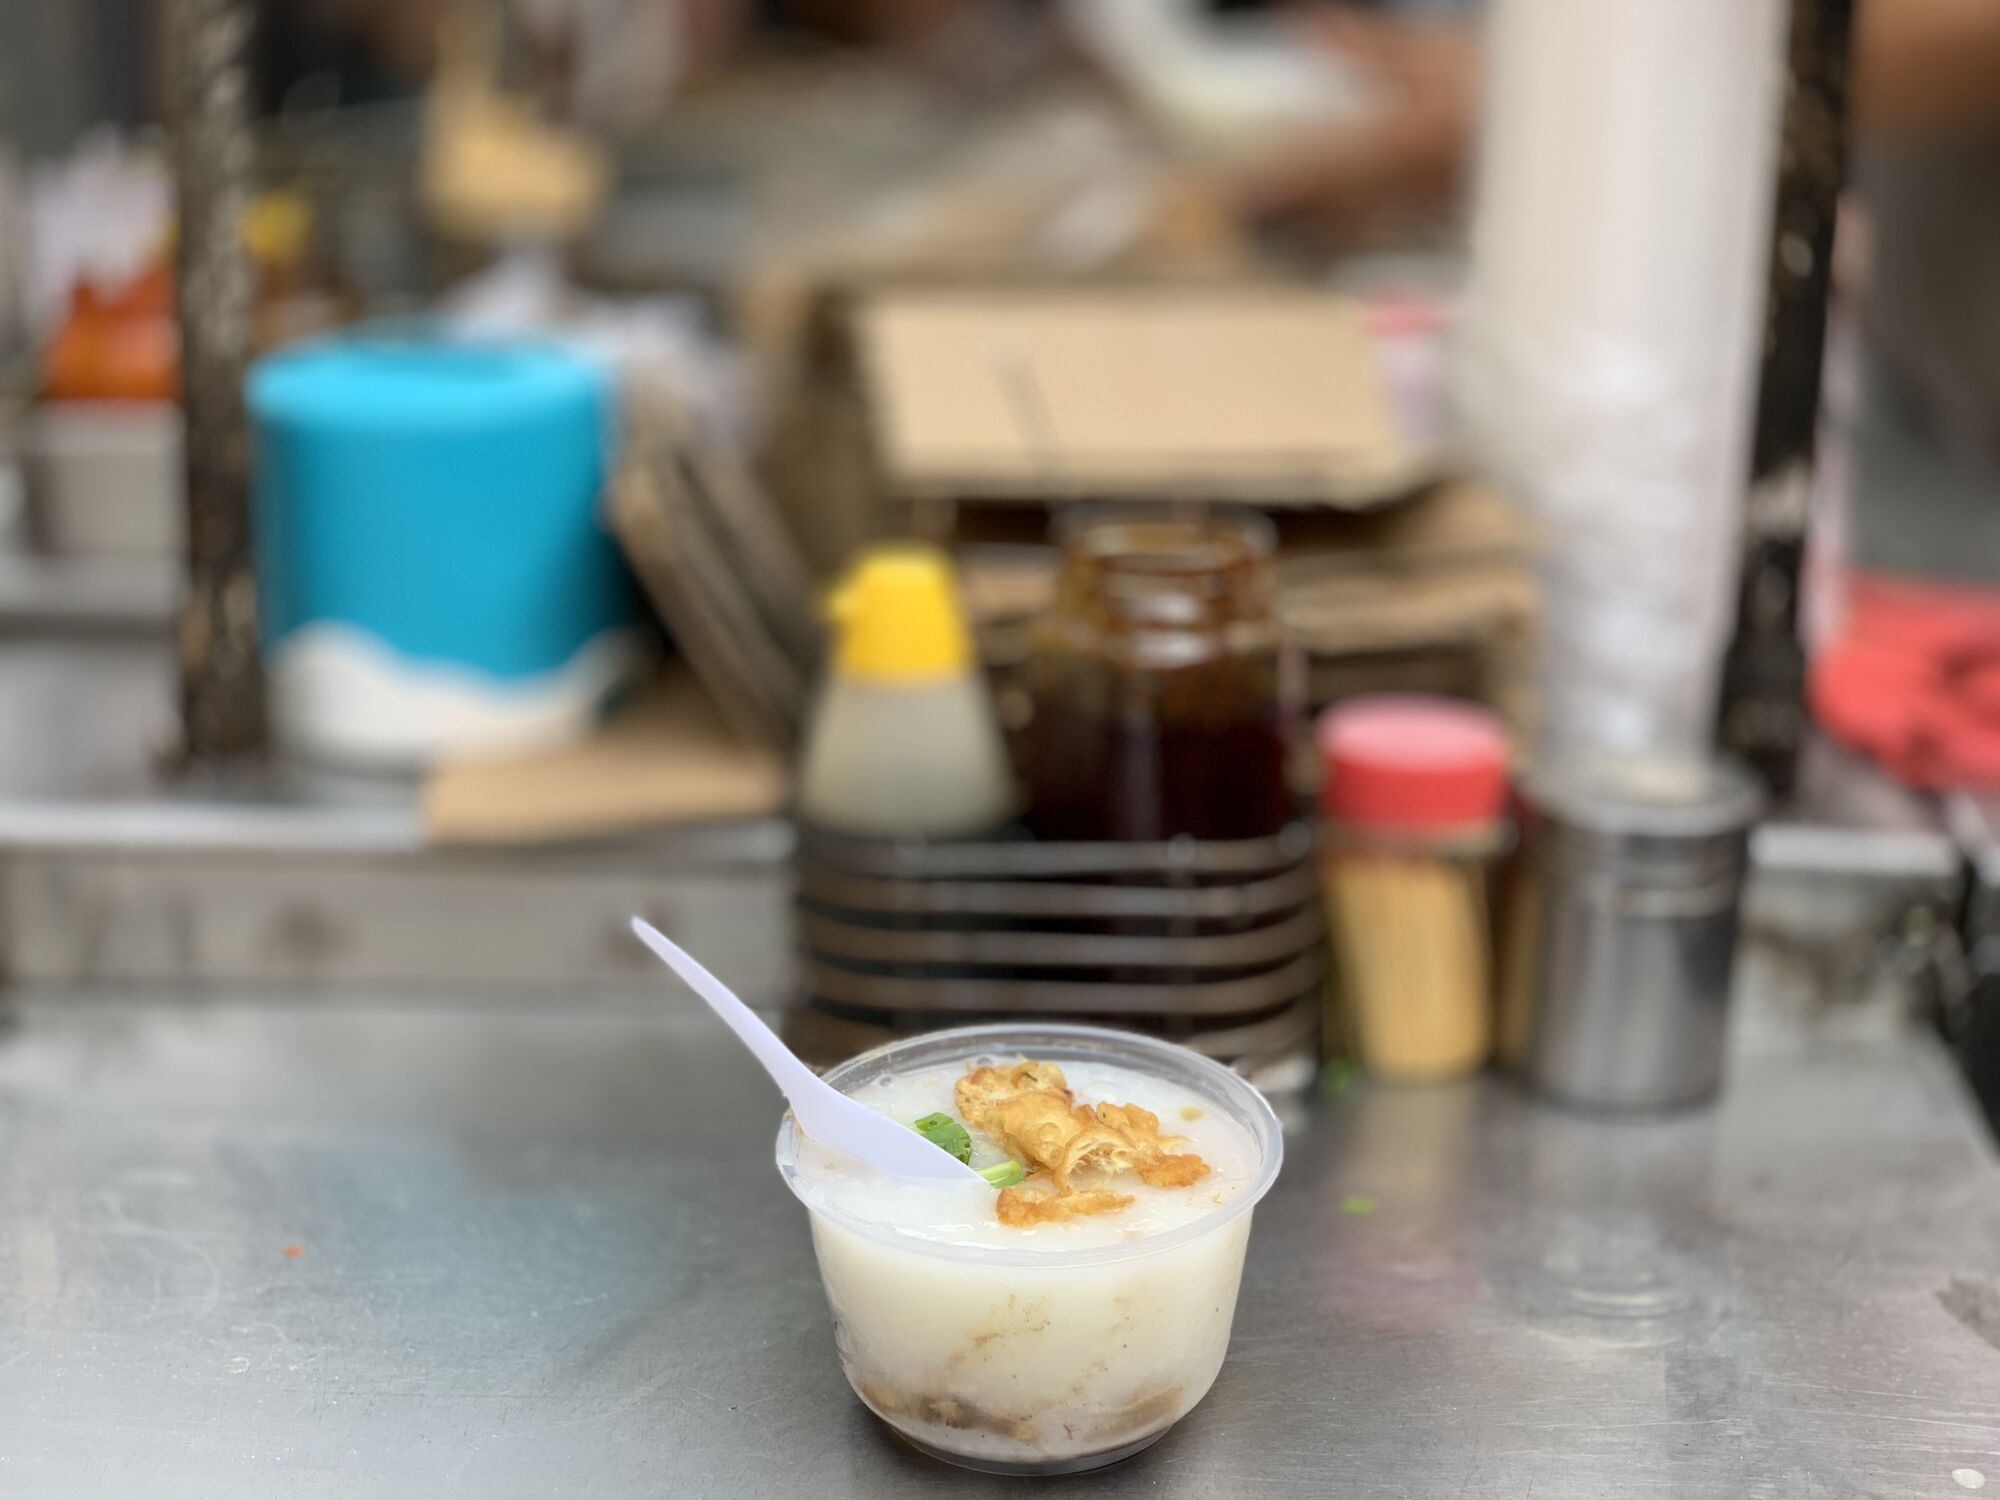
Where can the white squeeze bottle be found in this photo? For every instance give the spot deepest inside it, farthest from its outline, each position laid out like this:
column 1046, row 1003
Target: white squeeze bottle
column 903, row 742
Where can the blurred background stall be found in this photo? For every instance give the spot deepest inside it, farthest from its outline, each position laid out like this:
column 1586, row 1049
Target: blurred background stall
column 861, row 272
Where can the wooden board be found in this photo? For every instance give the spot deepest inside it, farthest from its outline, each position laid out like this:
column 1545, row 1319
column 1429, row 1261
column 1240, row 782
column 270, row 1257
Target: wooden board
column 737, row 620
column 667, row 757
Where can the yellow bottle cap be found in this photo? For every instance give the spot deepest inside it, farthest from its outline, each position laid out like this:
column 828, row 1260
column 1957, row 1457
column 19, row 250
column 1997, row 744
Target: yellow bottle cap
column 277, row 226
column 899, row 618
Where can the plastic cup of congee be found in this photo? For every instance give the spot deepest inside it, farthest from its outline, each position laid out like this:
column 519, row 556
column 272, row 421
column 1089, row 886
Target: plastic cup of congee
column 1038, row 1347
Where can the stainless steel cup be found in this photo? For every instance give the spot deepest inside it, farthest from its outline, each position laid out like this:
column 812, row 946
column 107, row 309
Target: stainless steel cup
column 1623, row 929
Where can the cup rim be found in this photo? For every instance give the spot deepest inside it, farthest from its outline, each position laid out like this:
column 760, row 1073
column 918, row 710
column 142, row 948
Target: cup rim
column 1222, row 1085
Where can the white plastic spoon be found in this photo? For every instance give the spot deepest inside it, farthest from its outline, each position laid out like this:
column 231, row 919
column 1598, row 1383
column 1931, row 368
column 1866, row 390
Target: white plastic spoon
column 822, row 1111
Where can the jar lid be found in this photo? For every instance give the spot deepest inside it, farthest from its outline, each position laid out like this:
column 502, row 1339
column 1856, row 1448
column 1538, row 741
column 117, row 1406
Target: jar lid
column 1411, row 763
column 1647, row 796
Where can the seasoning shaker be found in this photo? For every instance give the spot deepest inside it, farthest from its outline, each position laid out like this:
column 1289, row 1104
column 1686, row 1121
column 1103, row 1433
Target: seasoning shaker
column 1623, row 928
column 903, row 741
column 1413, row 793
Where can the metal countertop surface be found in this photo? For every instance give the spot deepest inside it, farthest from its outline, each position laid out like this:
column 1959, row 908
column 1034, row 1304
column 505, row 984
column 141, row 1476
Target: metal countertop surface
column 279, row 1251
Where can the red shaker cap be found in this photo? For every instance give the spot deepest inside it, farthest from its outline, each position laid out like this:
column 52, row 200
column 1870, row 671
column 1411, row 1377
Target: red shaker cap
column 1411, row 763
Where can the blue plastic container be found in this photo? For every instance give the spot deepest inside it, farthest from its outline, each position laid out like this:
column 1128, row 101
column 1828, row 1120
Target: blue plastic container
column 433, row 570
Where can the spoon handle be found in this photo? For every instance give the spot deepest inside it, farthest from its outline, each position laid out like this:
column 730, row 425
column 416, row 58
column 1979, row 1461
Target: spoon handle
column 793, row 1078
column 821, row 1110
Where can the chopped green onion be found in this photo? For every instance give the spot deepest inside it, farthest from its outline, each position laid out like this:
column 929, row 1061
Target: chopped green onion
column 1338, row 1078
column 945, row 1133
column 1003, row 1174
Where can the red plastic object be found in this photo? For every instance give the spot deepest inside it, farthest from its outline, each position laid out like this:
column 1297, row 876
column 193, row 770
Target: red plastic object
column 1915, row 682
column 1411, row 763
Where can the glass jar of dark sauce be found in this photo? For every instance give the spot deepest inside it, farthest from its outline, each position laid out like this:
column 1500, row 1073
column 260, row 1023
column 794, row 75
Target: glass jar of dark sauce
column 1159, row 709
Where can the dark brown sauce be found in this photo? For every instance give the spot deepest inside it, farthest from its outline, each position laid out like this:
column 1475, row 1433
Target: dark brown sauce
column 1155, row 756
column 1156, row 688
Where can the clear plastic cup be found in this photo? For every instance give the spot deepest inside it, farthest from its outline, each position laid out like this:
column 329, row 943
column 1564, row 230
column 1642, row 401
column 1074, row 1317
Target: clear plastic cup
column 1038, row 1361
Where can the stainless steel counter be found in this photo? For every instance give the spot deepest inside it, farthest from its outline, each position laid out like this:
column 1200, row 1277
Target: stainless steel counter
column 406, row 1250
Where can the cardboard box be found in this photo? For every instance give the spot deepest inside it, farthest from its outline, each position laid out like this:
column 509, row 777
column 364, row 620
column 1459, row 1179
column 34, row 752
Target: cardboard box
column 1238, row 393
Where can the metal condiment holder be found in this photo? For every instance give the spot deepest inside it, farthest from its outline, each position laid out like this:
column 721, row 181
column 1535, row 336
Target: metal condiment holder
column 1624, row 931
column 1216, row 944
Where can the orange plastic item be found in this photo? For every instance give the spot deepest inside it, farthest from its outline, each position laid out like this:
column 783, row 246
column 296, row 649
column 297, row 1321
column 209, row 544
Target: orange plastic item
column 118, row 346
